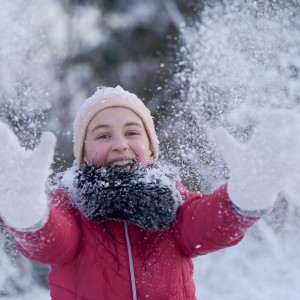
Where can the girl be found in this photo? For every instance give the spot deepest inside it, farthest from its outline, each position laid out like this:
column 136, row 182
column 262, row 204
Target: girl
column 119, row 226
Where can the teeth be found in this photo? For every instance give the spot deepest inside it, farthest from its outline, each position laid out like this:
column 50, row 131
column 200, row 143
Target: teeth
column 121, row 163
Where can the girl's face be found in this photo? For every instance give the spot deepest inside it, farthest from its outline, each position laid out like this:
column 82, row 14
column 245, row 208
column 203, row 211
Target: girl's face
column 116, row 137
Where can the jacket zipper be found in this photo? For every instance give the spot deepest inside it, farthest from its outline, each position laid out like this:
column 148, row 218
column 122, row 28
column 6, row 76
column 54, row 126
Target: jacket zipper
column 130, row 258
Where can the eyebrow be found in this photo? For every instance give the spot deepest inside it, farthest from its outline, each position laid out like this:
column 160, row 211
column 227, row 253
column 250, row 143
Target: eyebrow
column 133, row 124
column 107, row 126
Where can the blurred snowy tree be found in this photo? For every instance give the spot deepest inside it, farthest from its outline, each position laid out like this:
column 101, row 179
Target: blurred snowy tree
column 50, row 64
column 16, row 272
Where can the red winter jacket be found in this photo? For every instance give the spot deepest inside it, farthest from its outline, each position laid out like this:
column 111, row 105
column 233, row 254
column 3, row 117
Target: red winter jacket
column 90, row 261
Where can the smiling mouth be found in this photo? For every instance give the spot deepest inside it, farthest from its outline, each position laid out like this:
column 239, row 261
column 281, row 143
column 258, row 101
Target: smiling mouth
column 123, row 164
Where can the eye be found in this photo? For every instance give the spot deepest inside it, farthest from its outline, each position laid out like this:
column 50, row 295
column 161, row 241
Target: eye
column 103, row 136
column 132, row 133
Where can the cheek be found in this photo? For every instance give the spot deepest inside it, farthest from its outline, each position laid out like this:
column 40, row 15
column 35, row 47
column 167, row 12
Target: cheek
column 142, row 149
column 94, row 155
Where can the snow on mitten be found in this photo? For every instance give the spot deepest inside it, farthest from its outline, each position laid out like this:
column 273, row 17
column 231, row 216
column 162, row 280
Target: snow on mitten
column 262, row 167
column 23, row 176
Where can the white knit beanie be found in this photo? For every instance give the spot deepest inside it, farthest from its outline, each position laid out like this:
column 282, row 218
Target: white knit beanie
column 106, row 97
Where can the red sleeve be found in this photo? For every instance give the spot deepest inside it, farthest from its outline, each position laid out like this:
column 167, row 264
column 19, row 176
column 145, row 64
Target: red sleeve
column 206, row 223
column 57, row 241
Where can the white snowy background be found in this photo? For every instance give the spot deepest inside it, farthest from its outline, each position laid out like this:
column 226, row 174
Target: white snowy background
column 240, row 59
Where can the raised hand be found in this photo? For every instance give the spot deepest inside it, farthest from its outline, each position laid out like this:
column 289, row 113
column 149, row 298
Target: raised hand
column 23, row 176
column 264, row 166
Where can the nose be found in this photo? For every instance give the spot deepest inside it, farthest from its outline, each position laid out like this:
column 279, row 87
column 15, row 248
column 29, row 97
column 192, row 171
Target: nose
column 120, row 144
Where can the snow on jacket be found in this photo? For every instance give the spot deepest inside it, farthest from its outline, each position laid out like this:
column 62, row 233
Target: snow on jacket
column 90, row 260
